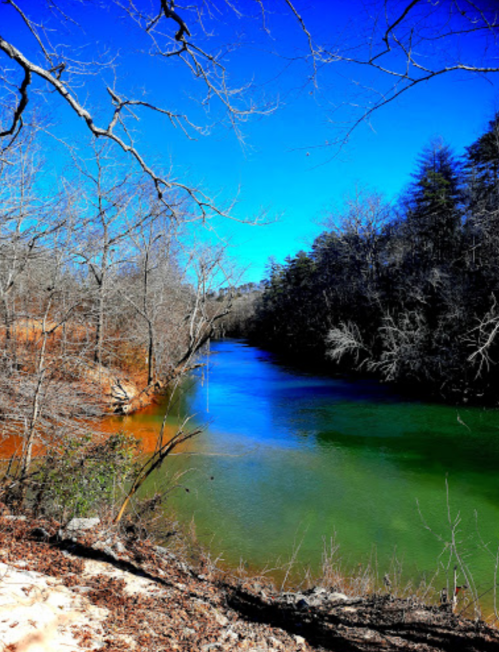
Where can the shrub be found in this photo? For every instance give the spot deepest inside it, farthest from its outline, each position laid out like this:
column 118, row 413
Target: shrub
column 85, row 477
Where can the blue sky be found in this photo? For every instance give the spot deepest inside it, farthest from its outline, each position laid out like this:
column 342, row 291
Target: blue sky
column 278, row 171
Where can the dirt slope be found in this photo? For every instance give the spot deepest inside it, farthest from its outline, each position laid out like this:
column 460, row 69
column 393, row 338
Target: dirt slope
column 71, row 589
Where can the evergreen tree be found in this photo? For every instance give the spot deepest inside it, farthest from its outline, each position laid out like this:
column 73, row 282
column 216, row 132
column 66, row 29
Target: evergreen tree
column 482, row 176
column 410, row 295
column 482, row 167
column 434, row 207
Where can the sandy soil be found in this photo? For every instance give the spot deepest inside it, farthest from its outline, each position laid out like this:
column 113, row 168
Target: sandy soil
column 78, row 589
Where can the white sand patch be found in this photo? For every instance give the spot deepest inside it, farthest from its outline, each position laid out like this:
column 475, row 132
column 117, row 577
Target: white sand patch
column 133, row 583
column 39, row 614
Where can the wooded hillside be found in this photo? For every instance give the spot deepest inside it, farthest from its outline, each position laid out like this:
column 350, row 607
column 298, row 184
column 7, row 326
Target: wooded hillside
column 406, row 291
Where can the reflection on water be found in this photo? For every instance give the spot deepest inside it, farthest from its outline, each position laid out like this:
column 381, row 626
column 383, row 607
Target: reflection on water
column 296, row 456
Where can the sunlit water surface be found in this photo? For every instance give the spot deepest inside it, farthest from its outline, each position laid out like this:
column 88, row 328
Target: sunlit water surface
column 289, row 458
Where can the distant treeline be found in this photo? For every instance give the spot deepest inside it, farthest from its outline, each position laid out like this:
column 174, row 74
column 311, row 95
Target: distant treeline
column 407, row 292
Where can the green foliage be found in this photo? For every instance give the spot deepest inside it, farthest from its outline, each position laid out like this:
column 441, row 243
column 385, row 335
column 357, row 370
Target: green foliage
column 86, row 477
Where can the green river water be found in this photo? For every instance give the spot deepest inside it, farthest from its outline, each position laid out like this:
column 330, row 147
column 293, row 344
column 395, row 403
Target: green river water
column 289, row 458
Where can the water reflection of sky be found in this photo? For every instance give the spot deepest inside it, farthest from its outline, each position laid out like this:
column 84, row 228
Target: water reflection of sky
column 247, row 394
column 263, row 402
column 254, row 405
column 290, row 451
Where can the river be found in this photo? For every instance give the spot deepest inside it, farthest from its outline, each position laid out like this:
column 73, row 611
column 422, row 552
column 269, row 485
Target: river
column 289, row 458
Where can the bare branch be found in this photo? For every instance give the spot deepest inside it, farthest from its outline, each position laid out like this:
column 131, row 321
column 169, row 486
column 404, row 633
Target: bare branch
column 19, row 110
column 391, row 27
column 170, row 13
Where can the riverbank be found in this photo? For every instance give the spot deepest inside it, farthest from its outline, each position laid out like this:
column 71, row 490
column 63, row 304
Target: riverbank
column 250, row 490
column 103, row 393
column 456, row 393
column 115, row 391
column 95, row 587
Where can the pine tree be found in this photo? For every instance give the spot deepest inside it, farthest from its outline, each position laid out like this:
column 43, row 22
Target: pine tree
column 482, row 194
column 434, row 206
column 482, row 167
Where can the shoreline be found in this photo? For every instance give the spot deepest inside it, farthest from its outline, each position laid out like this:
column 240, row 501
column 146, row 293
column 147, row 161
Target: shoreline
column 104, row 588
column 413, row 391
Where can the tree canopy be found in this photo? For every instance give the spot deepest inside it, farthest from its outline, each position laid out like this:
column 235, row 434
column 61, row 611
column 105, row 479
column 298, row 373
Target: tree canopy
column 406, row 292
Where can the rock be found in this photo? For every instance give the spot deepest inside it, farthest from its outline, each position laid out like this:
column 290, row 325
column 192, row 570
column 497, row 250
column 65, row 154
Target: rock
column 54, row 613
column 220, row 618
column 82, row 524
column 318, row 590
column 120, row 548
column 123, row 390
column 99, row 545
column 185, row 568
column 109, row 552
column 290, row 598
column 20, row 564
column 25, row 575
column 40, row 534
column 161, row 551
column 338, row 597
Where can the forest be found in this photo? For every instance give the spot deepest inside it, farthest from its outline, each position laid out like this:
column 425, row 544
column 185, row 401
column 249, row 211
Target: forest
column 185, row 493
column 406, row 291
column 113, row 269
column 103, row 303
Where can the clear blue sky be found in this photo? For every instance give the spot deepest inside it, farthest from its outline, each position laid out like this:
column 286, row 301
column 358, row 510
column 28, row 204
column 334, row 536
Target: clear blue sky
column 279, row 170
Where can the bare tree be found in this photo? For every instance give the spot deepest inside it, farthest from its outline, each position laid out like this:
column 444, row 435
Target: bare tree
column 359, row 227
column 105, row 210
column 482, row 339
column 155, row 276
column 400, row 44
column 37, row 397
column 346, row 339
column 406, row 43
column 160, row 30
column 404, row 340
column 21, row 226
